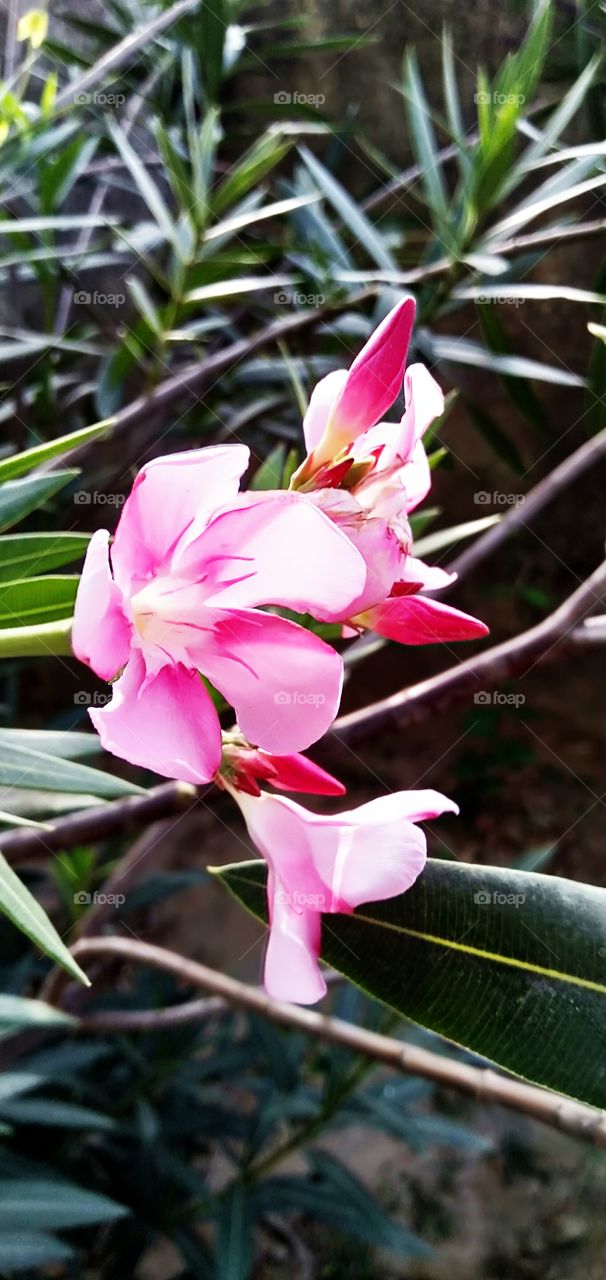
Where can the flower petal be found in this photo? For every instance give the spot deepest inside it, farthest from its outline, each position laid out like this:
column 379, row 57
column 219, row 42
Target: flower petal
column 292, row 971
column 416, row 619
column 279, row 550
column 416, row 476
column 296, row 773
column 173, row 496
column 321, row 403
column 101, row 634
column 166, row 723
column 424, row 401
column 375, row 377
column 283, row 682
column 431, row 577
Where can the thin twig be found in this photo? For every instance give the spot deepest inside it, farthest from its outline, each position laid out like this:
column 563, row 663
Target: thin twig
column 483, row 1083
column 97, row 824
column 192, row 380
column 123, row 52
column 522, row 513
column 553, row 638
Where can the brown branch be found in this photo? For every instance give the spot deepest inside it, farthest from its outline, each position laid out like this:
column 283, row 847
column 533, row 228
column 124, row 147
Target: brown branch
column 553, row 638
column 122, row 52
column 97, row 824
column 522, row 513
column 195, row 378
column 482, row 1083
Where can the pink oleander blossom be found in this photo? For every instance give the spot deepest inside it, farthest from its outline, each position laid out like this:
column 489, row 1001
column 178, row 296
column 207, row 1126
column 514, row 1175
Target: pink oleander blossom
column 368, row 475
column 177, row 594
column 321, row 865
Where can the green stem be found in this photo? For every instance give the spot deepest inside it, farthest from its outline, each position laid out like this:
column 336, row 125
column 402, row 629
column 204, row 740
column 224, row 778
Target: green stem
column 49, row 638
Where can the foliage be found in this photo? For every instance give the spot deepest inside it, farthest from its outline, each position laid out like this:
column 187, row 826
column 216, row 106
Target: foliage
column 153, row 222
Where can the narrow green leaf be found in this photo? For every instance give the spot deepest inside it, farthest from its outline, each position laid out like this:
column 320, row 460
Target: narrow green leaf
column 22, row 767
column 235, row 1242
column 24, row 554
column 21, row 907
column 19, row 463
column 19, row 497
column 30, row 601
column 508, row 963
column 54, row 1203
column 366, row 235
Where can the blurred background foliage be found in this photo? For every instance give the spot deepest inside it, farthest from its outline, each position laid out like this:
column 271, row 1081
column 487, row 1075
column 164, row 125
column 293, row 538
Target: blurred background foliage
column 189, row 238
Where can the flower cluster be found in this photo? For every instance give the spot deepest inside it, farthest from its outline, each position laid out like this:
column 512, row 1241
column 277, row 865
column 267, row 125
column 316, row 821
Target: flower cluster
column 189, row 595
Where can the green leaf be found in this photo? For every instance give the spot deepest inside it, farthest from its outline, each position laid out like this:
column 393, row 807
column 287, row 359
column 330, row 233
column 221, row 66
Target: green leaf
column 52, row 742
column 18, row 464
column 22, row 1252
column 29, row 601
column 508, row 963
column 464, row 351
column 269, row 474
column 52, row 1203
column 16, row 1012
column 264, row 155
column 23, row 554
column 21, row 907
column 55, row 1115
column 366, row 235
column 145, row 184
column 19, row 497
column 21, row 767
column 235, row 1241
column 424, row 141
column 433, row 542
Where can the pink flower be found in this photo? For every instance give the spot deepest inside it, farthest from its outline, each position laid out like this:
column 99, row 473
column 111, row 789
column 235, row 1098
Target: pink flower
column 347, row 402
column 321, row 865
column 368, row 475
column 244, row 767
column 190, row 563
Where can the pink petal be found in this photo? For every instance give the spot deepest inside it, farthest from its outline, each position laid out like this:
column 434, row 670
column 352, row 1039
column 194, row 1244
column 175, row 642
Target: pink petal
column 279, row 550
column 101, row 634
column 424, row 401
column 169, row 496
column 166, row 723
column 375, row 377
column 291, row 961
column 321, row 402
column 417, row 619
column 283, row 682
column 297, row 773
column 374, row 863
column 416, row 476
column 431, row 577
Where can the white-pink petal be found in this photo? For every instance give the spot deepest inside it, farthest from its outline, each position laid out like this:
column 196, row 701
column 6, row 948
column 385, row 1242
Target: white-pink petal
column 101, row 634
column 173, row 498
column 166, row 723
column 283, row 682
